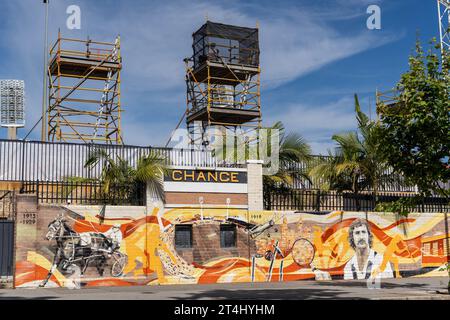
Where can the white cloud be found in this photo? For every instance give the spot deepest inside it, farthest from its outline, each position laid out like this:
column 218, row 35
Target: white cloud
column 317, row 123
column 157, row 36
column 293, row 43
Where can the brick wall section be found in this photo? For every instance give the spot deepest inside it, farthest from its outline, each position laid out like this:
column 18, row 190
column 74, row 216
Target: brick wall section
column 10, row 185
column 208, row 198
column 26, row 230
column 206, row 244
column 32, row 224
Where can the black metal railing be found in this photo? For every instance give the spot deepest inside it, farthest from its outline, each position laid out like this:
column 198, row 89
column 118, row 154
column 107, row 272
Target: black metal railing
column 7, row 205
column 390, row 182
column 86, row 193
column 317, row 200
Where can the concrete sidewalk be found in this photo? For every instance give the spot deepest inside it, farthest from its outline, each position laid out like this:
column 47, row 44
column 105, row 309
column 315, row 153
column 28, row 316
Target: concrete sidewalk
column 407, row 288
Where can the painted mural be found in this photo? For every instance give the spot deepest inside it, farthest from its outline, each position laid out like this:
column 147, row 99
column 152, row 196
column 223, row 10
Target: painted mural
column 77, row 250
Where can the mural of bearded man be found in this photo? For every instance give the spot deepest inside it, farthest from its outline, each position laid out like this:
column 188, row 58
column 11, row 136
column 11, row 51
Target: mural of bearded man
column 366, row 260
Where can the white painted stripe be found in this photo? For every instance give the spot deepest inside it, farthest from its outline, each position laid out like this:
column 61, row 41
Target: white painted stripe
column 205, row 206
column 207, row 168
column 207, row 187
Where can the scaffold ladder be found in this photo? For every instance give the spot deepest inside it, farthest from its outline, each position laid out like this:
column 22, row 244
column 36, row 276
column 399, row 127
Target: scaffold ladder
column 104, row 99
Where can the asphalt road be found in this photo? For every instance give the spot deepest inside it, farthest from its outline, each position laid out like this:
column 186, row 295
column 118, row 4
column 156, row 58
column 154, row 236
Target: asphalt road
column 408, row 288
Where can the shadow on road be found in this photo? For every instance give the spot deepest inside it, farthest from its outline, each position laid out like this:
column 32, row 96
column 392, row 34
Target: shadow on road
column 363, row 284
column 269, row 294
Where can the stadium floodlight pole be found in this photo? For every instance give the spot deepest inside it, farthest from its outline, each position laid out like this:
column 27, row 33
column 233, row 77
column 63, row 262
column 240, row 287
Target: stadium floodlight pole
column 44, row 93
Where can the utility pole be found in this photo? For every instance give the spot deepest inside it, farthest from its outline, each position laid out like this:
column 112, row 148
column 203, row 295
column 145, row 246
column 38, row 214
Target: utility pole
column 44, row 89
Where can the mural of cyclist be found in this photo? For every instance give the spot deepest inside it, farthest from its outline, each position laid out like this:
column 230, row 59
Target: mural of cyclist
column 114, row 237
column 366, row 260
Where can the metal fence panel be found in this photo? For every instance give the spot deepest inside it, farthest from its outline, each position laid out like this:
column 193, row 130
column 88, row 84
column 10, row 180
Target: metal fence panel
column 86, row 193
column 6, row 248
column 317, row 200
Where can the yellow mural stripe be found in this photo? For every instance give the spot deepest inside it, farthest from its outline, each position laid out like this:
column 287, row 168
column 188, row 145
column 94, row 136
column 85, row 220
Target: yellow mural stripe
column 42, row 262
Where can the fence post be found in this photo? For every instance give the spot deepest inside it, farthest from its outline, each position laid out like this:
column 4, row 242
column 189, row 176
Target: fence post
column 23, row 166
column 37, row 192
column 374, row 201
column 318, row 201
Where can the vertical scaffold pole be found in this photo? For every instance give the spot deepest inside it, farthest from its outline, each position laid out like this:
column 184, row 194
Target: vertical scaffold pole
column 444, row 23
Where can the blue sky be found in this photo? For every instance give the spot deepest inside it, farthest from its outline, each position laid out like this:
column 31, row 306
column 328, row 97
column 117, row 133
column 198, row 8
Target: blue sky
column 315, row 54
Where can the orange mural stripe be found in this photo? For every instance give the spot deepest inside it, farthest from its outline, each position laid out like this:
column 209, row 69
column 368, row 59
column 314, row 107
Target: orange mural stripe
column 331, row 230
column 37, row 273
column 213, row 273
column 397, row 223
column 111, row 282
column 126, row 228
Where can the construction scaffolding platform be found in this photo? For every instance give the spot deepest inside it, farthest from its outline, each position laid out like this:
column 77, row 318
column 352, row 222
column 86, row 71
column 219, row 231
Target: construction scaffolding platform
column 223, row 77
column 224, row 115
column 218, row 75
column 84, row 91
column 387, row 101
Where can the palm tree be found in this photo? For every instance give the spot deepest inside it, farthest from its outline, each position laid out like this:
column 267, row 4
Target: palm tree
column 357, row 164
column 292, row 149
column 117, row 171
column 151, row 170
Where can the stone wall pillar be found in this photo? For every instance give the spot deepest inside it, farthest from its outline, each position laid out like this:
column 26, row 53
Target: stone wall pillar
column 255, row 185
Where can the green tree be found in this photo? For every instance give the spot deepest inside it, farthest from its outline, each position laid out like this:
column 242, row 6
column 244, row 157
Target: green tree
column 415, row 130
column 356, row 164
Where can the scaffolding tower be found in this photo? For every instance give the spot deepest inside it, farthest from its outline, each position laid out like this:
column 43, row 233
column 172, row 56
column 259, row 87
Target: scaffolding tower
column 223, row 80
column 444, row 23
column 84, row 91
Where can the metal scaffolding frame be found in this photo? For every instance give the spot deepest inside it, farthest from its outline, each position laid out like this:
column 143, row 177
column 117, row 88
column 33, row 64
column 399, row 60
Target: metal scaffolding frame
column 386, row 100
column 444, row 23
column 84, row 91
column 223, row 83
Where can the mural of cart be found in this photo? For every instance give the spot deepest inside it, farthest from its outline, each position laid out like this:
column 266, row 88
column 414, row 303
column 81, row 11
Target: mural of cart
column 80, row 250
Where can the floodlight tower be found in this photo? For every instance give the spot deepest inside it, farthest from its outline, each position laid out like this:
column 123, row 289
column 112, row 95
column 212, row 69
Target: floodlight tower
column 223, row 80
column 444, row 23
column 12, row 112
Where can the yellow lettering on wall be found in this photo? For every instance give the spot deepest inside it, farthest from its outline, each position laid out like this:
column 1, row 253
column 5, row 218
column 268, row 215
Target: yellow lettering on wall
column 189, row 175
column 201, row 175
column 222, row 179
column 212, row 176
column 179, row 173
column 205, row 176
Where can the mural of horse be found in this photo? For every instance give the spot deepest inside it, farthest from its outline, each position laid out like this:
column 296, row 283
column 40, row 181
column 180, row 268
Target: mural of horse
column 80, row 249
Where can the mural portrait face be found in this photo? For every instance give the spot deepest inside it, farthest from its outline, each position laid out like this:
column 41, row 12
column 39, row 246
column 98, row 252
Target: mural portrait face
column 360, row 236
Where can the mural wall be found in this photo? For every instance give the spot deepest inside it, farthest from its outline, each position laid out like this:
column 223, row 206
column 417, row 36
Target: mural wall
column 64, row 248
